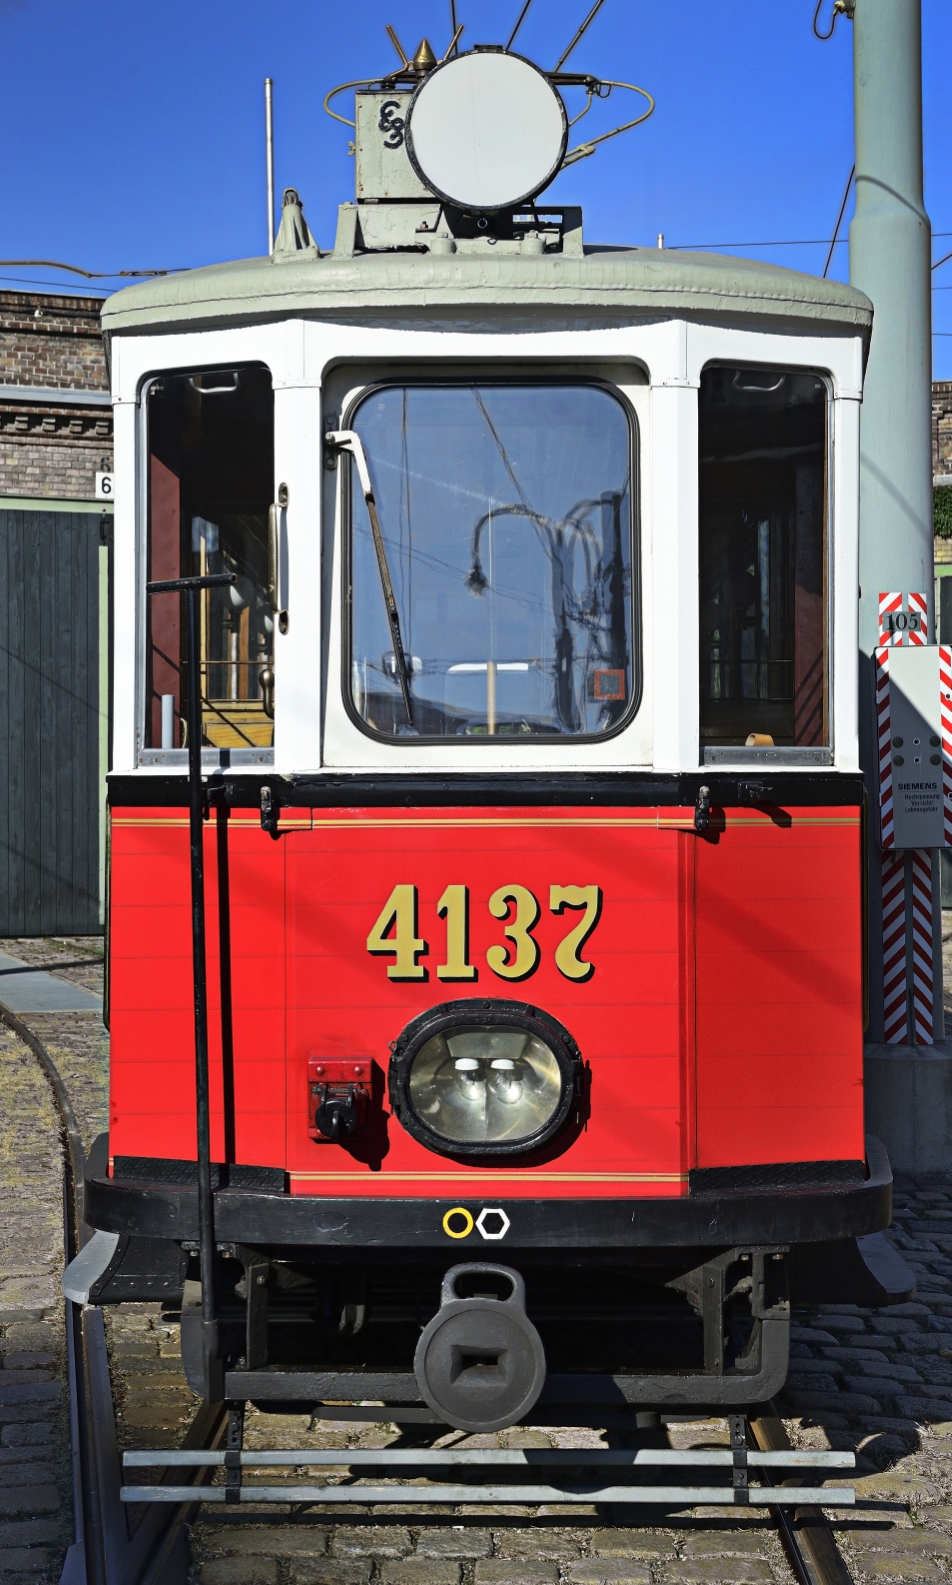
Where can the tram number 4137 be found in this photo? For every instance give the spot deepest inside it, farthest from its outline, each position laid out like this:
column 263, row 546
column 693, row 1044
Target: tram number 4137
column 395, row 933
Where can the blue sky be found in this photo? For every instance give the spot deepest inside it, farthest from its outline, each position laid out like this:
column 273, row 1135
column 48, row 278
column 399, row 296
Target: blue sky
column 138, row 129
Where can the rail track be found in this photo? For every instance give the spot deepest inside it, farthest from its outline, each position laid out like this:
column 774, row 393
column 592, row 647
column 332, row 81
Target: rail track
column 128, row 1533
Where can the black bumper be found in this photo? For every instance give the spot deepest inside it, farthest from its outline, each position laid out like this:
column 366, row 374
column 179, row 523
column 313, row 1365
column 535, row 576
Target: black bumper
column 335, row 1228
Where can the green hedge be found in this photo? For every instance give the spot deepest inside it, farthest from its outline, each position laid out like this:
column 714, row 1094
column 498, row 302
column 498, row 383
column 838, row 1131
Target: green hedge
column 942, row 512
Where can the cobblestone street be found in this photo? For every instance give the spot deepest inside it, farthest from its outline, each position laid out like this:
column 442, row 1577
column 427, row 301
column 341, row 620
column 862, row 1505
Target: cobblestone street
column 878, row 1382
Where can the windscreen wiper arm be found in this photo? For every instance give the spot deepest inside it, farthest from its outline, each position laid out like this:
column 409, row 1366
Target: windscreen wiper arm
column 349, row 440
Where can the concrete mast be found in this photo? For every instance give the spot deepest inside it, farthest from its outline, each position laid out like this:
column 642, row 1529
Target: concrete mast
column 890, row 259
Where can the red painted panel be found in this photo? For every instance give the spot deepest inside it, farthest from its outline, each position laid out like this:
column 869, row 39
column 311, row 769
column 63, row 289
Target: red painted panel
column 152, row 1105
column 779, row 989
column 721, row 1024
column 625, row 1017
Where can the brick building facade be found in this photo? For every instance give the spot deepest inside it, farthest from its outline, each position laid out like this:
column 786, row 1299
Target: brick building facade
column 55, row 415
column 942, row 428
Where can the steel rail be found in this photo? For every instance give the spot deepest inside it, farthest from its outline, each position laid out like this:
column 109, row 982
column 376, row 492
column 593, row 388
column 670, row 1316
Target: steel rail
column 103, row 1551
column 629, row 1496
column 807, row 1536
column 521, row 1458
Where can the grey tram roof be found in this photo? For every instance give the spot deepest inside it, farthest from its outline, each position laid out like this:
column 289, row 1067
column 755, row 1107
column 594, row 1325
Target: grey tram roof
column 630, row 282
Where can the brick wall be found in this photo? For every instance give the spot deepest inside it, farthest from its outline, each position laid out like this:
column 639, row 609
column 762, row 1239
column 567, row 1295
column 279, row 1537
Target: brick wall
column 942, row 428
column 50, row 448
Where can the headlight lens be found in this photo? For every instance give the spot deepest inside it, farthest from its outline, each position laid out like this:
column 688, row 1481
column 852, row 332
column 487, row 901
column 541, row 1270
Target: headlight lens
column 474, row 1078
column 485, row 1084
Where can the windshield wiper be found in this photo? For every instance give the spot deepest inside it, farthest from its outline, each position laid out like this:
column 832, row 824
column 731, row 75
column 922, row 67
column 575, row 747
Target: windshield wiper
column 349, row 440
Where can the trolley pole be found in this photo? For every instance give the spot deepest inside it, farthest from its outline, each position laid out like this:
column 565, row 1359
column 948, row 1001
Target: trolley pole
column 192, row 589
column 890, row 257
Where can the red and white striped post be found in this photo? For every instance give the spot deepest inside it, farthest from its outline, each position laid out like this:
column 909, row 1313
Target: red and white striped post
column 912, row 992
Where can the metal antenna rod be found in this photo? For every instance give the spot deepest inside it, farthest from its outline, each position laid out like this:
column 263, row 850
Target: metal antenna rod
column 522, row 17
column 454, row 26
column 269, row 155
column 588, row 20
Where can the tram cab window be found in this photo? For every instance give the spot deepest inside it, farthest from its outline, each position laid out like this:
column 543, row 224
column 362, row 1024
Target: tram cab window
column 505, row 517
column 763, row 626
column 211, row 481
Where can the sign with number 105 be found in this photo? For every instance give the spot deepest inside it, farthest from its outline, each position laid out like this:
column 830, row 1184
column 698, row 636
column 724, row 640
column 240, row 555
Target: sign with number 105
column 395, row 933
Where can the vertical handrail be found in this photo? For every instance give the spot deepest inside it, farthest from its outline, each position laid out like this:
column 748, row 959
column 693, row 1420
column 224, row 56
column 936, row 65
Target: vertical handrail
column 192, row 588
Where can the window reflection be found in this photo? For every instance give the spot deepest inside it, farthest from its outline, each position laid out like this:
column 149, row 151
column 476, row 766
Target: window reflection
column 211, row 481
column 506, row 518
column 762, row 557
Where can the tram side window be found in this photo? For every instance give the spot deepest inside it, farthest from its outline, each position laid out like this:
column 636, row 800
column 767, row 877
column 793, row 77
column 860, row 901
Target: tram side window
column 211, row 481
column 505, row 525
column 763, row 624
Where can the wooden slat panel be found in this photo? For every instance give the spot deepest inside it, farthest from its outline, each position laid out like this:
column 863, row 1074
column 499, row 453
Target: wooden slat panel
column 49, row 702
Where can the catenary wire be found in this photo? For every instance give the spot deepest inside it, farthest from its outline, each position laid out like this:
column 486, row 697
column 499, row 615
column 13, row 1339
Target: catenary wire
column 791, row 242
column 91, row 275
column 28, row 280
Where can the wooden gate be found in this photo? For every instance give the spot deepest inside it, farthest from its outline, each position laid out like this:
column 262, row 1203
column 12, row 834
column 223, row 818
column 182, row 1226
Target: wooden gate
column 50, row 721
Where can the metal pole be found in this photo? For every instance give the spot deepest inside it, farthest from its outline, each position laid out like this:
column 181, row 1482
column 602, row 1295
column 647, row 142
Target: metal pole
column 890, row 248
column 192, row 588
column 269, row 155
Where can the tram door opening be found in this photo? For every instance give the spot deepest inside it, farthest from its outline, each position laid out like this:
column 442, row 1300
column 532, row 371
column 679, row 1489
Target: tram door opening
column 211, row 482
column 763, row 558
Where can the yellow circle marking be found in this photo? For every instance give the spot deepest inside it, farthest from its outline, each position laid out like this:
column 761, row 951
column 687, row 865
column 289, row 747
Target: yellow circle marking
column 458, row 1210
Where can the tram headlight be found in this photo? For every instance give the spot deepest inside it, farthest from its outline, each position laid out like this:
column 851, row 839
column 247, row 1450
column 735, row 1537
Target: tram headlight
column 479, row 1078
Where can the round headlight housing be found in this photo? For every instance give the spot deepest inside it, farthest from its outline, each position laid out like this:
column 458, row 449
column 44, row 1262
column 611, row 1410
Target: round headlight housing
column 478, row 1078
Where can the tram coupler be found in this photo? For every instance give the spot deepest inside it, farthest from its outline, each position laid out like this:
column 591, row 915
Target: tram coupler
column 480, row 1364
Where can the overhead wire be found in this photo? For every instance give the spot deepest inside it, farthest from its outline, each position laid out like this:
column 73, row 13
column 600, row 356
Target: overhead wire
column 29, row 280
column 789, row 242
column 91, row 275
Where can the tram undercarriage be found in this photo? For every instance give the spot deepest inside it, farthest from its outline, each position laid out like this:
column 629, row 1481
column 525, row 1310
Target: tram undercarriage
column 480, row 1343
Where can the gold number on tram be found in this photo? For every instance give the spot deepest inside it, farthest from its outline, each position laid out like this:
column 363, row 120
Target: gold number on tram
column 519, row 960
column 567, row 958
column 453, row 906
column 399, row 913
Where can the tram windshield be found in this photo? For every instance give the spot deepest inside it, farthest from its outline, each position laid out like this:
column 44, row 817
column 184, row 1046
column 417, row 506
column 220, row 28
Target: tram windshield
column 763, row 557
column 211, row 481
column 505, row 520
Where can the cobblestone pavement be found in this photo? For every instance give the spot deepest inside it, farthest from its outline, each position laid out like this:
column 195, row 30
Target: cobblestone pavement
column 35, row 1505
column 878, row 1382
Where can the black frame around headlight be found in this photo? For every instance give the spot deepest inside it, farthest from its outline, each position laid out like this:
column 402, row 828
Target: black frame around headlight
column 474, row 1012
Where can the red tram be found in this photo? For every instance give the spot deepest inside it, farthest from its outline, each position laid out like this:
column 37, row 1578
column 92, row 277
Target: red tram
column 525, row 662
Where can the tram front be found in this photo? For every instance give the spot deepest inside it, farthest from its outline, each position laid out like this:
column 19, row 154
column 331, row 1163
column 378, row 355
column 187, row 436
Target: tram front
column 533, row 839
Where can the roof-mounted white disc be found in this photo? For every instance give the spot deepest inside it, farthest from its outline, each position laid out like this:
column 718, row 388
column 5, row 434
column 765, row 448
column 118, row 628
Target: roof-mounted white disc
column 486, row 130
